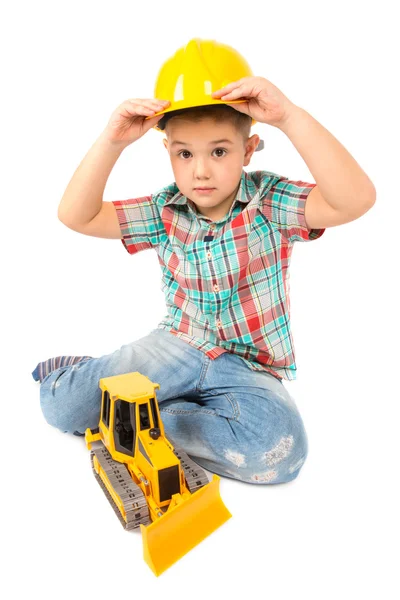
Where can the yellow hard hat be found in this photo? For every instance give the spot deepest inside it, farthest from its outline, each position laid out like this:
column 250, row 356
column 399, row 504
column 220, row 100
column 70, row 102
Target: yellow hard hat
column 188, row 78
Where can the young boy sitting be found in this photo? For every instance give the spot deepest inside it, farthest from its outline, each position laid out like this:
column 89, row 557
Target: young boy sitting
column 224, row 239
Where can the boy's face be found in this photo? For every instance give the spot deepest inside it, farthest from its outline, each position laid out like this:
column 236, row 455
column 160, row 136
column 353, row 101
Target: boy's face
column 200, row 162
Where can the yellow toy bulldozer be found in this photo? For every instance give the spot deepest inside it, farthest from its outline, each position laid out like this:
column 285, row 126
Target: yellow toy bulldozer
column 149, row 483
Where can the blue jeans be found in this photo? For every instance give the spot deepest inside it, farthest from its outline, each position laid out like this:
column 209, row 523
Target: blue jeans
column 231, row 420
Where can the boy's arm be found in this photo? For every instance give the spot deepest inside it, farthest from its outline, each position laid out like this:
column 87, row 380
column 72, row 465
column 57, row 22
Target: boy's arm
column 343, row 191
column 82, row 208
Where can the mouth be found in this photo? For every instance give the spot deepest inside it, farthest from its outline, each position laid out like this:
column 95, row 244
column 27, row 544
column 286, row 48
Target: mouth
column 204, row 189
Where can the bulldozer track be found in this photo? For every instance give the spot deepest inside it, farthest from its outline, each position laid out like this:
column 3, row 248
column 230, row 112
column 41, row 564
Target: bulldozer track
column 195, row 476
column 132, row 497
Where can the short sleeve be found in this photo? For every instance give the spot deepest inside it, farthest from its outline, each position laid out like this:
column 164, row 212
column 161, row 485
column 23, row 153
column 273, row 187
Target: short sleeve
column 284, row 205
column 140, row 223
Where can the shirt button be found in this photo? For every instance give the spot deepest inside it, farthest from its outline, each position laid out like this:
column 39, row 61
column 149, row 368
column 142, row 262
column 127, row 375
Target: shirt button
column 219, row 324
column 216, row 288
column 212, row 225
column 208, row 254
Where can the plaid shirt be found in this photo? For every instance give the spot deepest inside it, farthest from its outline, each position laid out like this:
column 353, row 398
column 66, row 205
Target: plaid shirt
column 226, row 283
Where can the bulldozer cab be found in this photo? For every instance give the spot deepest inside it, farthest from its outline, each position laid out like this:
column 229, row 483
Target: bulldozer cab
column 126, row 422
column 128, row 407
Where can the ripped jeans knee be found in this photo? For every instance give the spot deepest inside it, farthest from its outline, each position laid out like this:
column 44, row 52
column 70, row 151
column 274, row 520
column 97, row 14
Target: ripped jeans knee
column 279, row 462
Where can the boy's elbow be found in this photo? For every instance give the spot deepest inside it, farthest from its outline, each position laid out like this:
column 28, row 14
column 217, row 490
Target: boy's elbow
column 369, row 200
column 66, row 221
column 62, row 217
column 372, row 195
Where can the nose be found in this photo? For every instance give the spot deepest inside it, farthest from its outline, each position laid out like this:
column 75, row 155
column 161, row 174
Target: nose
column 201, row 169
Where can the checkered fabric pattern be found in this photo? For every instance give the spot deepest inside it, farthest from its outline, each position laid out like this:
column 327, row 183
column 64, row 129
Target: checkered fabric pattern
column 226, row 283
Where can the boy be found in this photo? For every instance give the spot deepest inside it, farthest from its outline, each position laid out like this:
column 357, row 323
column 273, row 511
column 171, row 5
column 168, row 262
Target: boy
column 224, row 239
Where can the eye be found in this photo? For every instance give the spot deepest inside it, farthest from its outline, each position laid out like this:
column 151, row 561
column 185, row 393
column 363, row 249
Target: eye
column 183, row 152
column 216, row 150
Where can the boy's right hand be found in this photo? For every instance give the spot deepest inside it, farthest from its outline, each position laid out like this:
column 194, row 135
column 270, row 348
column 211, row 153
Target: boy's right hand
column 128, row 122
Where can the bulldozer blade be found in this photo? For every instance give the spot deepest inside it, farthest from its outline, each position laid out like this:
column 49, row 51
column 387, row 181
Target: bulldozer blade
column 184, row 526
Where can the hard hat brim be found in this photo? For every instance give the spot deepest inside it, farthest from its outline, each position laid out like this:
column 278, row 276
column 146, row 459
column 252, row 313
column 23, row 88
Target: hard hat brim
column 183, row 105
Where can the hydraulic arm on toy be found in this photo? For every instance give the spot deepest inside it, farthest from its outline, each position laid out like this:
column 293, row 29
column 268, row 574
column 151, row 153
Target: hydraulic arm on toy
column 149, row 483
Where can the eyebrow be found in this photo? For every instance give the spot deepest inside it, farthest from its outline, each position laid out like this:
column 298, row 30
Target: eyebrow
column 213, row 142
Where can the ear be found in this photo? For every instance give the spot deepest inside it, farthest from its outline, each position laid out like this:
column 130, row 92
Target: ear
column 251, row 146
column 165, row 142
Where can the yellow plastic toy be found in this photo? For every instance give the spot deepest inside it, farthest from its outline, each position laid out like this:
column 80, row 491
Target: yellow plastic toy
column 149, row 483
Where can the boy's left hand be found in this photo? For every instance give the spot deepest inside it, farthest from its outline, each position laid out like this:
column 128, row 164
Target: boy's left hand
column 266, row 103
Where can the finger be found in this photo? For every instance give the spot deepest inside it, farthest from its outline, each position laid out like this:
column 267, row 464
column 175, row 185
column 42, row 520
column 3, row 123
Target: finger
column 236, row 93
column 155, row 119
column 147, row 107
column 161, row 104
column 226, row 88
column 229, row 87
column 136, row 104
column 150, row 103
column 137, row 109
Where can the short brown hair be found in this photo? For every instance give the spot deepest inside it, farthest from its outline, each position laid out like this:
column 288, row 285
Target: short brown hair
column 218, row 112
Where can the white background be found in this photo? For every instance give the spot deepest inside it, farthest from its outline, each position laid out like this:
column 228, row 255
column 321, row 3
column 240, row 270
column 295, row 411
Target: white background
column 333, row 532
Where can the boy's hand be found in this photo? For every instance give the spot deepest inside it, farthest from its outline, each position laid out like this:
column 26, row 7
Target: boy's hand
column 266, row 103
column 128, row 122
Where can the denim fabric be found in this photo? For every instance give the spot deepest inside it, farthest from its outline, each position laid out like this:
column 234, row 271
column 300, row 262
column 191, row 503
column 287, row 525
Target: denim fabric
column 231, row 420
